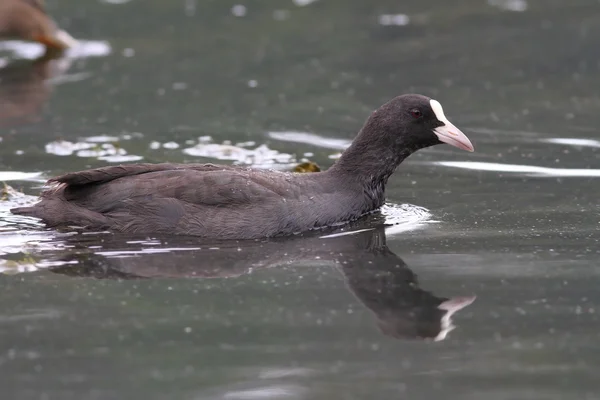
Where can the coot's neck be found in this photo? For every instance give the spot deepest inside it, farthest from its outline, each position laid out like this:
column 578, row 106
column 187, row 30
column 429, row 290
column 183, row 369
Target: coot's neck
column 374, row 155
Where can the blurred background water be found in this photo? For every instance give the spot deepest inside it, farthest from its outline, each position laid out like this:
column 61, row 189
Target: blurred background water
column 270, row 84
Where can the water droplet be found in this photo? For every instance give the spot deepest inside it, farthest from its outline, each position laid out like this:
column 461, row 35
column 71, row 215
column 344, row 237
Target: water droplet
column 281, row 15
column 128, row 52
column 394, row 19
column 239, row 10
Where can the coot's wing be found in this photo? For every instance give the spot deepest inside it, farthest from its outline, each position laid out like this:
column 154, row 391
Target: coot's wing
column 197, row 198
column 106, row 174
column 105, row 189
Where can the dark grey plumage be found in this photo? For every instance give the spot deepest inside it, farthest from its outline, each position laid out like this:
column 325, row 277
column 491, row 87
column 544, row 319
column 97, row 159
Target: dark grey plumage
column 229, row 202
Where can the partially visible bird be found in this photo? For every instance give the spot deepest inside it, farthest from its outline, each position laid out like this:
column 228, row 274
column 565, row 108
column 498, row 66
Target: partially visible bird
column 28, row 20
column 24, row 88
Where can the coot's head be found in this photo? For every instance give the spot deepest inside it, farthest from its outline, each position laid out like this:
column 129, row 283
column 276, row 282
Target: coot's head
column 419, row 121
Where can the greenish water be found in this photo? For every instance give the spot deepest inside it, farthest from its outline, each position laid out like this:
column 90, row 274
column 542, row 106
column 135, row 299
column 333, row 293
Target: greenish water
column 514, row 224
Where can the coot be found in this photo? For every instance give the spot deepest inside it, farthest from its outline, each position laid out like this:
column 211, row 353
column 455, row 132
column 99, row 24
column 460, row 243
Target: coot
column 230, row 202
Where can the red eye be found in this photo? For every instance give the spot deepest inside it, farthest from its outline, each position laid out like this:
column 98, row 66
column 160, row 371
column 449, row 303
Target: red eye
column 416, row 113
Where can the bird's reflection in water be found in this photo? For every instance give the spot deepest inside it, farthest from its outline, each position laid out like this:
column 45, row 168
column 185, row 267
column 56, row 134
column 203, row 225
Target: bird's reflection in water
column 25, row 87
column 373, row 273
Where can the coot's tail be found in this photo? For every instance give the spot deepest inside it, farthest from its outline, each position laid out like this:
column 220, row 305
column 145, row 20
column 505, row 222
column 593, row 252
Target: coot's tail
column 56, row 213
column 29, row 211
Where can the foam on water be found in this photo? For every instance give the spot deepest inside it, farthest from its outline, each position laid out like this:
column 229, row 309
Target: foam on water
column 399, row 218
column 100, row 147
column 241, row 153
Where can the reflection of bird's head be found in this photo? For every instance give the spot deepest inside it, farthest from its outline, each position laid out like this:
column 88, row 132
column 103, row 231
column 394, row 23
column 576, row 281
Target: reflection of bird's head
column 28, row 20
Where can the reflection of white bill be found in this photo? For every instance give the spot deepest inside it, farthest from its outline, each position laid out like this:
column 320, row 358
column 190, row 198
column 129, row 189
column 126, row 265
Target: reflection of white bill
column 451, row 306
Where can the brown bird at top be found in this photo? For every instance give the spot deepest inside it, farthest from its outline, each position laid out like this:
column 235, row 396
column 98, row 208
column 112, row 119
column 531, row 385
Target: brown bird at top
column 28, row 20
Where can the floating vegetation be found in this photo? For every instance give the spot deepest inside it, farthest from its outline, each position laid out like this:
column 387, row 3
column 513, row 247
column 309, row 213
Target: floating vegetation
column 242, row 153
column 307, row 166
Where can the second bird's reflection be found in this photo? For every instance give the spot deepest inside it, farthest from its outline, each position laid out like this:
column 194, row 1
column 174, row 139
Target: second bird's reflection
column 25, row 88
column 374, row 274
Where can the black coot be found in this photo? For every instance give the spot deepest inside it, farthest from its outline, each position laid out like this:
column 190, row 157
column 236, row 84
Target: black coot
column 228, row 202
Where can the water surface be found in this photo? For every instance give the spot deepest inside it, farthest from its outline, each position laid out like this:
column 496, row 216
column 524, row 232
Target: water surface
column 348, row 314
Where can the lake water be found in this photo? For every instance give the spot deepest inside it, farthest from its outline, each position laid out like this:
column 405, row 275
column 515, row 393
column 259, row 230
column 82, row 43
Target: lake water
column 507, row 236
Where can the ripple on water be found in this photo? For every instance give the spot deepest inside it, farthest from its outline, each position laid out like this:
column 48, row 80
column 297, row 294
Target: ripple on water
column 311, row 139
column 405, row 217
column 10, row 198
column 21, row 235
column 509, row 5
column 398, row 218
column 303, row 3
column 6, row 176
column 521, row 170
column 116, row 1
column 394, row 19
column 30, row 50
column 269, row 392
column 575, row 142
